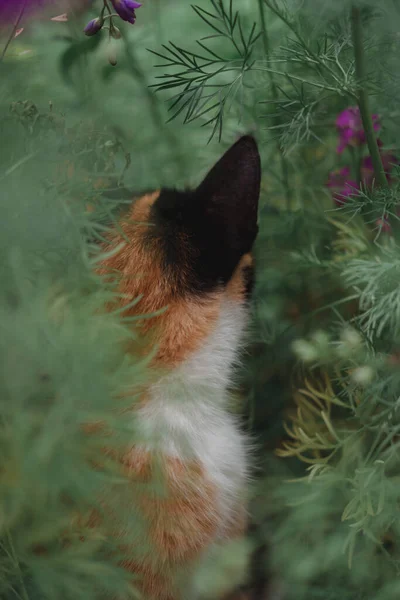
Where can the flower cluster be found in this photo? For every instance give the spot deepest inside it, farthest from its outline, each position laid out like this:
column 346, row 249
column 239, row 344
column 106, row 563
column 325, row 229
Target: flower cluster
column 341, row 182
column 350, row 128
column 124, row 9
column 341, row 185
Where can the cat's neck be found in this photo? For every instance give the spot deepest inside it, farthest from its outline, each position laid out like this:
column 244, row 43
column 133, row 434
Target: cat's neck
column 208, row 372
column 187, row 411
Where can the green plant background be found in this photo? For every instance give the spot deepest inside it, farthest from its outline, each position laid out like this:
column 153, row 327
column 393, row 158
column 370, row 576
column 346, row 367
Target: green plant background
column 72, row 126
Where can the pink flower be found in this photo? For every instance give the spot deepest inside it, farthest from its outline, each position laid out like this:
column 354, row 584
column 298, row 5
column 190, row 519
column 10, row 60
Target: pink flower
column 367, row 170
column 350, row 128
column 342, row 187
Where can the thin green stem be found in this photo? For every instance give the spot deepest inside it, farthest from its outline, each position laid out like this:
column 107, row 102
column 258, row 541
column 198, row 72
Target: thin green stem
column 356, row 163
column 107, row 7
column 359, row 158
column 274, row 90
column 13, row 31
column 363, row 99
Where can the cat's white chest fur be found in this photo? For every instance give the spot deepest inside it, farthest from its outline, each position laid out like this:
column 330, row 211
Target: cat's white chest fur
column 187, row 415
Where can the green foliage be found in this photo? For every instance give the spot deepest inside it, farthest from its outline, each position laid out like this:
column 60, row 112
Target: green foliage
column 62, row 368
column 334, row 533
column 72, row 126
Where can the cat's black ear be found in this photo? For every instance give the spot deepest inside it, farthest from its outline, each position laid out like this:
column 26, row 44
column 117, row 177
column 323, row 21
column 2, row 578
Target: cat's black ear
column 218, row 220
column 227, row 207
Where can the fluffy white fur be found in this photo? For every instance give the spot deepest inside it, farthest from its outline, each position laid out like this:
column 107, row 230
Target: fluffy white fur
column 188, row 413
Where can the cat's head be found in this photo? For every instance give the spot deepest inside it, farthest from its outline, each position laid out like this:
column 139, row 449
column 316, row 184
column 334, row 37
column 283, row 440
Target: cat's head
column 190, row 251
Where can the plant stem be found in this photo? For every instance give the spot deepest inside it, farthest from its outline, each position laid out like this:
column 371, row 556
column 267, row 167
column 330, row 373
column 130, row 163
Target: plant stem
column 274, row 90
column 356, row 162
column 363, row 99
column 14, row 29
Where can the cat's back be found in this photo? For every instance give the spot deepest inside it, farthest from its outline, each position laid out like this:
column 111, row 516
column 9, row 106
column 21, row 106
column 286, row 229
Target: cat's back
column 187, row 255
column 187, row 415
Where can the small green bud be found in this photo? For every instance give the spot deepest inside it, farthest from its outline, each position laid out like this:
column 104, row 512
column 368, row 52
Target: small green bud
column 350, row 337
column 115, row 32
column 321, row 339
column 305, row 351
column 363, row 375
column 112, row 56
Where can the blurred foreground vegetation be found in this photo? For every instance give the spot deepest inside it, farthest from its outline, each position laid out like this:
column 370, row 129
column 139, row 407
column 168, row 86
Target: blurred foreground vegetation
column 320, row 383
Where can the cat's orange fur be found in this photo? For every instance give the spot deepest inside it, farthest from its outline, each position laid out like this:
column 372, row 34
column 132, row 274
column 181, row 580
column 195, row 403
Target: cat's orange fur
column 179, row 330
column 184, row 521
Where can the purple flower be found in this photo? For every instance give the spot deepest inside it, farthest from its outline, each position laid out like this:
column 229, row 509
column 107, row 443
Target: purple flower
column 126, row 9
column 11, row 9
column 367, row 169
column 342, row 187
column 350, row 128
column 93, row 26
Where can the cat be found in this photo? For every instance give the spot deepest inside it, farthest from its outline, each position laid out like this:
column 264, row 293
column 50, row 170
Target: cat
column 189, row 252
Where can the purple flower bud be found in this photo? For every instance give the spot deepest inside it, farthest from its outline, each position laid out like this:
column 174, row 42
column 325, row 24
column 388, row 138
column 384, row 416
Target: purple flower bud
column 94, row 26
column 126, row 9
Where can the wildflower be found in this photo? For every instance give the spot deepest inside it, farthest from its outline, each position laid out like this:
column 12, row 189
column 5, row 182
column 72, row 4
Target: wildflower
column 341, row 185
column 367, row 169
column 94, row 26
column 126, row 9
column 350, row 128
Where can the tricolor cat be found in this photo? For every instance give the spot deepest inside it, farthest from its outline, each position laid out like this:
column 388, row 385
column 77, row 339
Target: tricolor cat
column 190, row 251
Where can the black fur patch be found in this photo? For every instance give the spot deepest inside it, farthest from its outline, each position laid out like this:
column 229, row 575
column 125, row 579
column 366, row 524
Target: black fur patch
column 211, row 228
